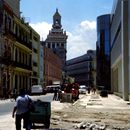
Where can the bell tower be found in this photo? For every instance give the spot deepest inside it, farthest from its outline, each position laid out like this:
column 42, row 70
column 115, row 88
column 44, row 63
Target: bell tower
column 57, row 39
column 57, row 20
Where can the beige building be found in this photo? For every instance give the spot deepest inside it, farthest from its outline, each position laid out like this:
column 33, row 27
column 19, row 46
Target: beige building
column 18, row 42
column 35, row 40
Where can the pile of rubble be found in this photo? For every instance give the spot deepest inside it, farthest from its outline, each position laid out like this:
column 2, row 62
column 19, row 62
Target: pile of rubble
column 94, row 126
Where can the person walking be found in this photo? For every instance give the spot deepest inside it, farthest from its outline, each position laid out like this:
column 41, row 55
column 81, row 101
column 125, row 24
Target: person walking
column 55, row 95
column 59, row 94
column 94, row 90
column 22, row 110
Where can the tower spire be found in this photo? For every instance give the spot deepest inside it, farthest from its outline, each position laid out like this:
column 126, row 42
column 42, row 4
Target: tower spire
column 57, row 20
column 56, row 9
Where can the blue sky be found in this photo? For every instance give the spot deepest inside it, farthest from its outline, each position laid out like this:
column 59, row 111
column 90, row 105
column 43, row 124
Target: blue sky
column 78, row 20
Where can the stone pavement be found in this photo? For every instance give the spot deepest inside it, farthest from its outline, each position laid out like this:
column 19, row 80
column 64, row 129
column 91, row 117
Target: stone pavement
column 88, row 100
column 96, row 101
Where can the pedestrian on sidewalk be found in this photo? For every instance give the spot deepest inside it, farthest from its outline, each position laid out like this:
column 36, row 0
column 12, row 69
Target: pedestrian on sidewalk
column 22, row 110
column 59, row 94
column 55, row 95
column 89, row 89
column 94, row 90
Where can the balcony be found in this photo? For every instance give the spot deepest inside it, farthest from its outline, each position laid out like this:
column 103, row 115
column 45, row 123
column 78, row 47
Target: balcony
column 5, row 60
column 35, row 74
column 21, row 65
column 10, row 33
column 23, row 42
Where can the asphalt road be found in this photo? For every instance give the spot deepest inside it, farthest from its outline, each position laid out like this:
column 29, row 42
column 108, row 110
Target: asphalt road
column 6, row 106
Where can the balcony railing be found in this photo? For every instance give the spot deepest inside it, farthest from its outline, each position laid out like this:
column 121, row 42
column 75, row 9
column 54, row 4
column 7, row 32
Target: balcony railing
column 19, row 39
column 5, row 60
column 21, row 65
column 35, row 73
column 25, row 43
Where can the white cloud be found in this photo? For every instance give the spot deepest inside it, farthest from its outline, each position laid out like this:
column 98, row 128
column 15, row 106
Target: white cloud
column 82, row 38
column 42, row 28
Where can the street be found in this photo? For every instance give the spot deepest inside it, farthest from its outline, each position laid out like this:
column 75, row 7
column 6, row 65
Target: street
column 90, row 111
column 6, row 106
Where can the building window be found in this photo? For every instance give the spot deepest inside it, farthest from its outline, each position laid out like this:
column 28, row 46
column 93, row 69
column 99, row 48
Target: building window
column 5, row 22
column 20, row 57
column 16, row 55
column 35, row 50
column 53, row 45
column 16, row 81
column 57, row 44
column 49, row 45
column 35, row 38
column 34, row 63
column 62, row 44
column 9, row 21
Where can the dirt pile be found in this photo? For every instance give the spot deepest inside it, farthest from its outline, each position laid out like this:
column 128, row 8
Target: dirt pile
column 92, row 112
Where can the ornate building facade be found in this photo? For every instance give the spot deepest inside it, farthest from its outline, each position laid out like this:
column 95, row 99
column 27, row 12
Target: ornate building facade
column 35, row 41
column 57, row 39
column 15, row 49
column 52, row 67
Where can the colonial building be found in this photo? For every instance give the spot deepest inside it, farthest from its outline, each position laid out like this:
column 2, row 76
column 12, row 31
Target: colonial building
column 41, row 57
column 35, row 40
column 14, row 5
column 52, row 67
column 83, row 69
column 15, row 49
column 57, row 39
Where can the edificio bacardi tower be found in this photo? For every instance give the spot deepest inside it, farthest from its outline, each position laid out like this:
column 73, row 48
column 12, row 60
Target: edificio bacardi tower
column 57, row 39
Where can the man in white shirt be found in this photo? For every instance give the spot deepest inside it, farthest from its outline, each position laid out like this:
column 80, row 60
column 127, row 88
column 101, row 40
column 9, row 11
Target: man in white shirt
column 22, row 110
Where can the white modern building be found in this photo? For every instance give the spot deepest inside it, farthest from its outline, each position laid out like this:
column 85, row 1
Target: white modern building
column 120, row 48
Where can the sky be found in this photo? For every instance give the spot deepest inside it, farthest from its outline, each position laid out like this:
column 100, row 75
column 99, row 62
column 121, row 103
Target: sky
column 78, row 19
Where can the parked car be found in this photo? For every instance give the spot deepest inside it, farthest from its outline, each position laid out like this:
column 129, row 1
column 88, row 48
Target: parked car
column 82, row 89
column 52, row 88
column 36, row 89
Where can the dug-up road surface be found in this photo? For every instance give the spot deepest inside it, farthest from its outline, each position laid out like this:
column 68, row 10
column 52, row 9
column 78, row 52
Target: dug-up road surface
column 92, row 112
column 89, row 112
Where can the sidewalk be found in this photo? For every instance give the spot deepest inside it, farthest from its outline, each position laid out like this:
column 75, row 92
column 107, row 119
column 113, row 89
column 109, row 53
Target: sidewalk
column 7, row 122
column 96, row 101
